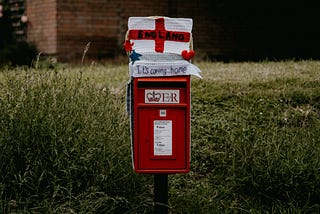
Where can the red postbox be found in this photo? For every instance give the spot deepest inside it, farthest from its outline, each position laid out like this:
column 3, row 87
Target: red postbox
column 161, row 124
column 160, row 52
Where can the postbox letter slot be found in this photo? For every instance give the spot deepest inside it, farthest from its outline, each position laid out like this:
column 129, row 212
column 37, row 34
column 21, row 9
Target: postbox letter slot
column 162, row 84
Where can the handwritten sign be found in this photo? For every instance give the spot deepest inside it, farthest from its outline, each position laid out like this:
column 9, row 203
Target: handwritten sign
column 157, row 69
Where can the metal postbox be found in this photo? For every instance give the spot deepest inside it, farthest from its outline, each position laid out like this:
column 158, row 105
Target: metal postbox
column 158, row 93
column 161, row 124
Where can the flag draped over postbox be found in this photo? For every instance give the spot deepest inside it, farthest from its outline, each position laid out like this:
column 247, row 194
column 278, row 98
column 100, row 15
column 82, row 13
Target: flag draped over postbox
column 160, row 46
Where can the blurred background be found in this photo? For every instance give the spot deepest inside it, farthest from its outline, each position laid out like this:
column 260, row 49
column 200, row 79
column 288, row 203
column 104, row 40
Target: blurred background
column 224, row 30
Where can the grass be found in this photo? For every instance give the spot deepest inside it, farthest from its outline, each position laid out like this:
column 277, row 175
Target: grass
column 65, row 144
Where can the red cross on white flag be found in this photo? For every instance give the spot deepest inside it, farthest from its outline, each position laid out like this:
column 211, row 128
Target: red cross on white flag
column 163, row 35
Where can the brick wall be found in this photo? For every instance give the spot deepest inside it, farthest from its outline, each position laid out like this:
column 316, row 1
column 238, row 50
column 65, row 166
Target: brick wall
column 222, row 29
column 42, row 24
column 82, row 21
column 64, row 27
column 103, row 23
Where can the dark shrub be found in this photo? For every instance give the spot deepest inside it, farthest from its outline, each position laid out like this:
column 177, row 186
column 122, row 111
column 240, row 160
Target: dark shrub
column 18, row 53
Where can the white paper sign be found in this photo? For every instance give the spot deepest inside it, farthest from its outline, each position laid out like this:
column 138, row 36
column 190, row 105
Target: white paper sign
column 144, row 68
column 162, row 137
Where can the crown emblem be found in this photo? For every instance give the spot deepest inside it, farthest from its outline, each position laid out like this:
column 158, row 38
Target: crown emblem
column 153, row 97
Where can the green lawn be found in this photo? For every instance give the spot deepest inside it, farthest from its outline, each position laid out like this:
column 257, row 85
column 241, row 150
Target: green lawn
column 65, row 141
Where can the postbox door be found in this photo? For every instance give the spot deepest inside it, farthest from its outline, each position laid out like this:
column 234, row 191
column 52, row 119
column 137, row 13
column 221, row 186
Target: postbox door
column 162, row 138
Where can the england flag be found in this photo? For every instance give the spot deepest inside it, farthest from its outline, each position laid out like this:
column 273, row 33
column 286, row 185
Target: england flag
column 161, row 35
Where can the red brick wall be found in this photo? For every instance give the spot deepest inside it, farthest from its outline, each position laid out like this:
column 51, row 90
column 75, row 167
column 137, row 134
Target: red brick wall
column 64, row 27
column 226, row 29
column 42, row 24
column 83, row 21
column 103, row 23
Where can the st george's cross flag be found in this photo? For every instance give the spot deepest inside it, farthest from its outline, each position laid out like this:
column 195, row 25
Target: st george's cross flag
column 161, row 35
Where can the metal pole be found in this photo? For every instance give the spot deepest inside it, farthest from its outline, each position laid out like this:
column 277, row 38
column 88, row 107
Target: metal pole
column 161, row 193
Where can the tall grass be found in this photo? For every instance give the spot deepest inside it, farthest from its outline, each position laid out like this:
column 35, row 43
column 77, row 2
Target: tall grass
column 65, row 144
column 255, row 140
